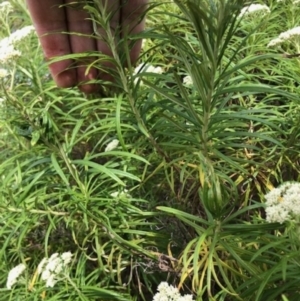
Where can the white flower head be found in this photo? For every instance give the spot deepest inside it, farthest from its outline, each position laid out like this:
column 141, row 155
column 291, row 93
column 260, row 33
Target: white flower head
column 160, row 297
column 254, row 9
column 50, row 269
column 285, row 36
column 8, row 53
column 66, row 257
column 275, row 42
column 14, row 274
column 168, row 292
column 163, row 287
column 112, row 145
column 120, row 194
column 3, row 73
column 20, row 34
column 5, row 7
column 51, row 280
column 41, row 265
column 141, row 68
column 147, row 68
column 7, row 45
column 283, row 203
column 187, row 80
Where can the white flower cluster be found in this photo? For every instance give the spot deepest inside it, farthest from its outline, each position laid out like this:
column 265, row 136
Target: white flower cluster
column 187, row 80
column 7, row 45
column 146, row 68
column 14, row 275
column 8, row 53
column 51, row 268
column 168, row 292
column 20, row 34
column 254, row 9
column 283, row 203
column 285, row 36
column 112, row 145
column 5, row 7
column 3, row 73
column 120, row 194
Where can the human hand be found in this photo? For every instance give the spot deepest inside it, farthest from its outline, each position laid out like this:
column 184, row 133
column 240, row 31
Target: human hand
column 53, row 17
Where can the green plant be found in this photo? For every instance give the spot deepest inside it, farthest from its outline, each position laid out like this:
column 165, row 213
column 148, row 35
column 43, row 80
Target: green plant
column 180, row 197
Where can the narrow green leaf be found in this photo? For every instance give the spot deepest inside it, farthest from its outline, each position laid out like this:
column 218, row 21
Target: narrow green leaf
column 59, row 170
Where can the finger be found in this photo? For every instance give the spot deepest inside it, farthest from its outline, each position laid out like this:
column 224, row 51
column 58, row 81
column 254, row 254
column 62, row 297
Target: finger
column 49, row 21
column 111, row 9
column 133, row 22
column 79, row 22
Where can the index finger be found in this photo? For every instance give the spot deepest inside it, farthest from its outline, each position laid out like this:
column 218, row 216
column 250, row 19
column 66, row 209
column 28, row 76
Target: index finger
column 49, row 20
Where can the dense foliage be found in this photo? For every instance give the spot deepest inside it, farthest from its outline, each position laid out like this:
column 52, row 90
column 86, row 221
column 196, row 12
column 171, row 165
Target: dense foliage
column 180, row 199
